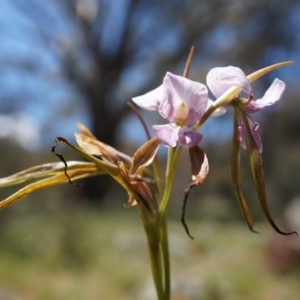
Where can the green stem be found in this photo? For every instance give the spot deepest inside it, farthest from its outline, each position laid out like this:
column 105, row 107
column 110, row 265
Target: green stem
column 170, row 171
column 173, row 157
column 157, row 176
column 156, row 263
column 155, row 258
column 166, row 256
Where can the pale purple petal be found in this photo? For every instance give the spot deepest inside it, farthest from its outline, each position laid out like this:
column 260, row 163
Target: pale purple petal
column 220, row 79
column 271, row 96
column 167, row 134
column 151, row 100
column 180, row 90
column 188, row 138
column 218, row 112
column 255, row 133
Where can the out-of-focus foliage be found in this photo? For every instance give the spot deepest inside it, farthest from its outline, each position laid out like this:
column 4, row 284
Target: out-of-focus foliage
column 76, row 258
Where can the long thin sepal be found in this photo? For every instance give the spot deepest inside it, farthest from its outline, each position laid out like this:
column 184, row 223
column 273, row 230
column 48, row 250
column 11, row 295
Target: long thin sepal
column 255, row 75
column 235, row 173
column 255, row 163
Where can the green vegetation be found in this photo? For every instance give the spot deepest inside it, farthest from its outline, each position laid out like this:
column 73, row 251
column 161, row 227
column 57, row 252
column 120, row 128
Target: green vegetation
column 88, row 255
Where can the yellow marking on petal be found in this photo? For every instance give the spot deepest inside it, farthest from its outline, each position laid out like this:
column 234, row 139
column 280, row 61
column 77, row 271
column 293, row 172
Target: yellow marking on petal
column 181, row 114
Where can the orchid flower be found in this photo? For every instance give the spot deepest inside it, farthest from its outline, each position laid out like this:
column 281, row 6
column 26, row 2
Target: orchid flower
column 182, row 102
column 219, row 80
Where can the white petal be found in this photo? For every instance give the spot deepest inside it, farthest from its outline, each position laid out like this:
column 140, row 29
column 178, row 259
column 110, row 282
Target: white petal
column 271, row 96
column 151, row 100
column 220, row 79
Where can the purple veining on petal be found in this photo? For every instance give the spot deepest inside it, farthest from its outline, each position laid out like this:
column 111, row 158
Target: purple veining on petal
column 167, row 109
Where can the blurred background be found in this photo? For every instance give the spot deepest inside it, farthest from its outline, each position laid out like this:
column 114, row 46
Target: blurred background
column 69, row 61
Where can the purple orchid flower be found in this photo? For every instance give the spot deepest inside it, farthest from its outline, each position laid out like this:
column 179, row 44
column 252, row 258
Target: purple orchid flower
column 219, row 80
column 182, row 102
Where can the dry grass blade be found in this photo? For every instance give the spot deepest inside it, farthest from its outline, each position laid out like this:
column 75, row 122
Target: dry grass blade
column 60, row 178
column 44, row 170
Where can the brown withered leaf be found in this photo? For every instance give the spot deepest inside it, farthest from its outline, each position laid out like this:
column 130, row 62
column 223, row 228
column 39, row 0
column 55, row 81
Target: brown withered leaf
column 85, row 131
column 200, row 168
column 144, row 155
column 131, row 202
column 199, row 164
column 106, row 152
column 140, row 192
